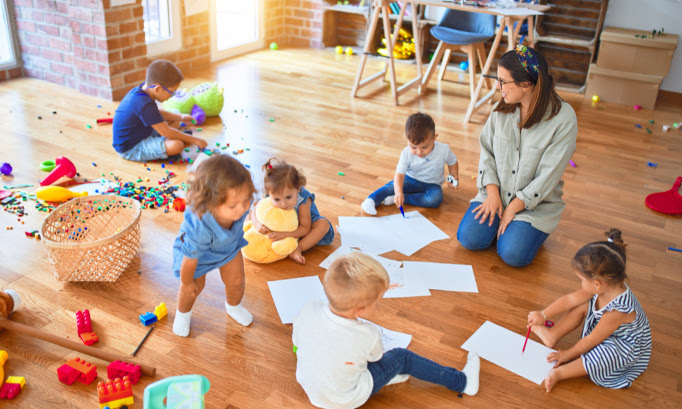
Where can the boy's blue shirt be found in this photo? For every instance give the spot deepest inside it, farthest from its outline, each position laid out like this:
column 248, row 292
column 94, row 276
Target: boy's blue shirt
column 134, row 118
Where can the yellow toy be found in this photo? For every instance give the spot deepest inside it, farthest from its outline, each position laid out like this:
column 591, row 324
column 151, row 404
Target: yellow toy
column 3, row 359
column 349, row 51
column 260, row 248
column 160, row 311
column 57, row 194
column 339, row 49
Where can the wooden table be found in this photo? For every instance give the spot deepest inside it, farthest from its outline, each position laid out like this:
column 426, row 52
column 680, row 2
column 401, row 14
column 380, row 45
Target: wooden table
column 381, row 7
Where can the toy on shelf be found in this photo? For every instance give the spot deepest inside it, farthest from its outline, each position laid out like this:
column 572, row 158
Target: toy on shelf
column 669, row 202
column 63, row 167
column 77, row 369
column 186, row 391
column 120, row 369
column 57, row 194
column 115, row 394
column 12, row 387
column 6, row 169
column 207, row 96
column 85, row 327
column 198, row 114
column 148, row 319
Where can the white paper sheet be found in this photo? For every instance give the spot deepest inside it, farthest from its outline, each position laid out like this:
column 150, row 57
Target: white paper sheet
column 392, row 339
column 290, row 296
column 402, row 287
column 202, row 157
column 386, row 262
column 439, row 276
column 518, row 11
column 503, row 348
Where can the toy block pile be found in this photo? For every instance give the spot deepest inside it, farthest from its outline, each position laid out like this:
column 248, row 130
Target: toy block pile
column 116, row 393
column 149, row 318
column 77, row 369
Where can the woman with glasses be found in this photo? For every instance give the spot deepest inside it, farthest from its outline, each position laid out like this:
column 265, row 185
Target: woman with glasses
column 526, row 145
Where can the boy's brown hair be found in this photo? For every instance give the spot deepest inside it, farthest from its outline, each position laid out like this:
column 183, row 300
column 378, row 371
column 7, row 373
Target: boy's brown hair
column 214, row 178
column 354, row 280
column 419, row 127
column 165, row 73
column 280, row 175
column 604, row 260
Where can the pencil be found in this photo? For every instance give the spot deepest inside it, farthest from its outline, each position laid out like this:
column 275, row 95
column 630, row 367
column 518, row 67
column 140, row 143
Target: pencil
column 150, row 331
column 524, row 344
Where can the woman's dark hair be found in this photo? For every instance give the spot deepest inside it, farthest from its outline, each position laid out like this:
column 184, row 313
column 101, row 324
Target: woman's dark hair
column 603, row 259
column 544, row 96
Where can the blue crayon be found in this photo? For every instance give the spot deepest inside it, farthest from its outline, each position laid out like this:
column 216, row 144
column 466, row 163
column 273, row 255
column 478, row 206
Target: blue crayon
column 402, row 211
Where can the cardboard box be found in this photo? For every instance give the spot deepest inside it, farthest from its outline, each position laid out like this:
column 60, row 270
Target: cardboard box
column 621, row 87
column 619, row 49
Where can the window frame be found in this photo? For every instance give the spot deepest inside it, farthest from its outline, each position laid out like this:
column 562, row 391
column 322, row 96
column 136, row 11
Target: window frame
column 174, row 43
column 11, row 35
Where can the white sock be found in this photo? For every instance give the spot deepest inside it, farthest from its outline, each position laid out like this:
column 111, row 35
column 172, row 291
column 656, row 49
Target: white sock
column 369, row 207
column 239, row 314
column 471, row 370
column 16, row 297
column 181, row 323
column 389, row 200
column 399, row 379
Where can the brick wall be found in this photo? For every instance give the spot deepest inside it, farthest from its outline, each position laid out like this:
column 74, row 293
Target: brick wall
column 274, row 21
column 303, row 23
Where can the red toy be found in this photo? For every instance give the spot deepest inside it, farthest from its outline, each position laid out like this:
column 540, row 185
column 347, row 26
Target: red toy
column 669, row 202
column 179, row 204
column 12, row 387
column 63, row 167
column 105, row 120
column 77, row 370
column 85, row 327
column 120, row 369
column 116, row 393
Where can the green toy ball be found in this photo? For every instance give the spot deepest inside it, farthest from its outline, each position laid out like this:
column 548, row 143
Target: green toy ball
column 273, row 46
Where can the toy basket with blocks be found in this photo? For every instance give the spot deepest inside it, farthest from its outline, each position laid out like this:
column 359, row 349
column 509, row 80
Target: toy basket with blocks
column 92, row 238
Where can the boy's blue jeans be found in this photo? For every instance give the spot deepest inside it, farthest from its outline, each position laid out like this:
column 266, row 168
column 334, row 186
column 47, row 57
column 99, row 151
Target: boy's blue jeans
column 416, row 193
column 517, row 246
column 400, row 361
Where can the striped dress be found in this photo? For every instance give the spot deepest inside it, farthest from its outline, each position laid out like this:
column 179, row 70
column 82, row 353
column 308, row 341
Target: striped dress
column 624, row 355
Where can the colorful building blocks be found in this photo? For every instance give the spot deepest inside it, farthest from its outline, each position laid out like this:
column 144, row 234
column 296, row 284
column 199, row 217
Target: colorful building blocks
column 160, row 311
column 85, row 328
column 12, row 387
column 77, row 369
column 179, row 204
column 115, row 394
column 148, row 318
column 120, row 369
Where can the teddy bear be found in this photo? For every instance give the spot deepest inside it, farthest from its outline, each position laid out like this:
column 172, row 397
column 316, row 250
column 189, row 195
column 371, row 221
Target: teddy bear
column 260, row 248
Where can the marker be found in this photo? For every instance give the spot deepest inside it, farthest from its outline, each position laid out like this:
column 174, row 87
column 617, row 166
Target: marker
column 402, row 211
column 572, row 163
column 674, row 249
column 524, row 344
column 143, row 339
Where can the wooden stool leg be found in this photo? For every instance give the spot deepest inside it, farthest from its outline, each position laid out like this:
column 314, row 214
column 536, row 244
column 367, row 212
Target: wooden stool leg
column 389, row 47
column 472, row 69
column 368, row 43
column 444, row 63
column 432, row 66
column 480, row 51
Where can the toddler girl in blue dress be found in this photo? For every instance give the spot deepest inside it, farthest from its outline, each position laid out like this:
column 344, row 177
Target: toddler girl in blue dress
column 285, row 186
column 211, row 237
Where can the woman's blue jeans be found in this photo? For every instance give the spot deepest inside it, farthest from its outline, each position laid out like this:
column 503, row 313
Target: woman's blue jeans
column 416, row 193
column 400, row 361
column 517, row 246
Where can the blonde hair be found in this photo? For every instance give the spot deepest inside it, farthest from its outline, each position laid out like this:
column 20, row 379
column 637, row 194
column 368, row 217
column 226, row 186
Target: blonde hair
column 354, row 280
column 214, row 178
column 280, row 175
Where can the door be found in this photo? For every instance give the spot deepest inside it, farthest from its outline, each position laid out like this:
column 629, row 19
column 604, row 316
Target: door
column 236, row 27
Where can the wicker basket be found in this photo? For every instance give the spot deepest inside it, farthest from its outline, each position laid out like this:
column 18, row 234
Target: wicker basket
column 92, row 238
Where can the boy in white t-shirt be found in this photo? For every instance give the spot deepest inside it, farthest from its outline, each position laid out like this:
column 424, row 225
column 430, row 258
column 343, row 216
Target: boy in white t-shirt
column 341, row 361
column 419, row 175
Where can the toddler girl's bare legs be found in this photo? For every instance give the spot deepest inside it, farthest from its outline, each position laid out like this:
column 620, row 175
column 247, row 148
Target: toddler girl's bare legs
column 572, row 320
column 232, row 275
column 317, row 232
column 186, row 298
column 573, row 369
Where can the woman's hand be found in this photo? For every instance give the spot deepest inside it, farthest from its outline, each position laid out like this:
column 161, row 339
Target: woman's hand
column 561, row 357
column 491, row 205
column 506, row 218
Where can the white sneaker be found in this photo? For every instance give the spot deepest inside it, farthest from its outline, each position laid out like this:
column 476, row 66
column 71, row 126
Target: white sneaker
column 471, row 370
column 389, row 200
column 369, row 207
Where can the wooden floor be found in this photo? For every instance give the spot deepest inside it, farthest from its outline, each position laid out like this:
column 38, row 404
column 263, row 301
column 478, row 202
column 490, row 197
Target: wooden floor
column 318, row 127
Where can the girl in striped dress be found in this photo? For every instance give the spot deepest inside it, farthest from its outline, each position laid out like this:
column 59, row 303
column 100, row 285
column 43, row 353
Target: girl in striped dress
column 616, row 340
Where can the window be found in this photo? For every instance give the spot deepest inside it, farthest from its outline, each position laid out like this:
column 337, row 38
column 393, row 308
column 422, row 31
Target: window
column 7, row 56
column 162, row 26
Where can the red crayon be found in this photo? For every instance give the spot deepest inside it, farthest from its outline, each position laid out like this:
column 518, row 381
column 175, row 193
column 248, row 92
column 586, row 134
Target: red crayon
column 105, row 120
column 524, row 344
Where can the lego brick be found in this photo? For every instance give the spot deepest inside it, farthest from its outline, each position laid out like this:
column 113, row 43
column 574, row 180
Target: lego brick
column 160, row 311
column 119, row 369
column 88, row 371
column 89, row 338
column 117, row 403
column 111, row 391
column 67, row 374
column 148, row 318
column 17, row 379
column 83, row 321
column 9, row 390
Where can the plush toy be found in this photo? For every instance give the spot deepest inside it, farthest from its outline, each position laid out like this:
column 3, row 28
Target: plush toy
column 9, row 301
column 207, row 96
column 261, row 249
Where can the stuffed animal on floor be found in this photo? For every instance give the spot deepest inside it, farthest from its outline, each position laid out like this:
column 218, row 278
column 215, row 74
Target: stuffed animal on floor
column 9, row 301
column 207, row 96
column 261, row 249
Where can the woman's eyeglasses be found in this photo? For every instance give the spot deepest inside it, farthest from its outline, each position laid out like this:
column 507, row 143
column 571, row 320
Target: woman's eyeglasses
column 502, row 82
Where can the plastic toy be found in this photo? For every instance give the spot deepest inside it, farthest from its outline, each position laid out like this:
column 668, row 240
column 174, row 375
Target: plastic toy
column 77, row 370
column 105, row 121
column 160, row 311
column 6, row 169
column 187, row 390
column 207, row 96
column 274, row 46
column 148, row 318
column 464, row 65
column 349, row 51
column 179, row 204
column 85, row 328
column 47, row 166
column 637, row 107
column 595, row 98
column 260, row 248
column 63, row 167
column 116, row 393
column 3, row 359
column 669, row 202
column 339, row 49
column 198, row 114
column 57, row 194
column 12, row 387
column 119, row 369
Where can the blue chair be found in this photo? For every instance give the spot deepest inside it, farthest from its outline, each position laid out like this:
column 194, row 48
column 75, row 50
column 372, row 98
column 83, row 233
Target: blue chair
column 461, row 30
